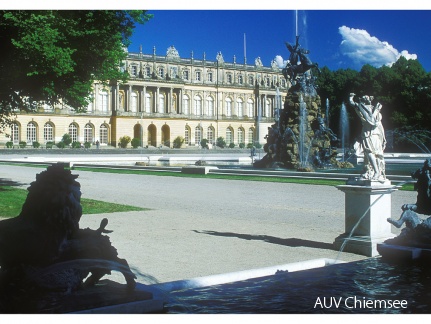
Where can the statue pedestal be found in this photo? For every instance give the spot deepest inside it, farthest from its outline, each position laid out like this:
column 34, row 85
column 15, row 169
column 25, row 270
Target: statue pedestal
column 367, row 206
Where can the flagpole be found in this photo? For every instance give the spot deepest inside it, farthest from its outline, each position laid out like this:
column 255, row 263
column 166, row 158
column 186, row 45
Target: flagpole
column 245, row 53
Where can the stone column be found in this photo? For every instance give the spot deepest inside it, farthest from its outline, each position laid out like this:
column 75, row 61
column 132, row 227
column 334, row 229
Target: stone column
column 367, row 206
column 157, row 99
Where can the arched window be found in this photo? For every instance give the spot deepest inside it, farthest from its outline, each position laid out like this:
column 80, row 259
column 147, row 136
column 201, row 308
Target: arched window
column 103, row 101
column 73, row 132
column 48, row 132
column 186, row 105
column 31, row 132
column 210, row 106
column 240, row 135
column 198, row 135
column 187, row 135
column 198, row 105
column 239, row 107
column 134, row 102
column 228, row 107
column 103, row 132
column 14, row 133
column 229, row 135
column 210, row 135
column 88, row 133
column 251, row 135
column 250, row 108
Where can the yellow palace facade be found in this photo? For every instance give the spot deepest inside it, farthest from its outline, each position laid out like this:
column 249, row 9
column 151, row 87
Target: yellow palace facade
column 165, row 97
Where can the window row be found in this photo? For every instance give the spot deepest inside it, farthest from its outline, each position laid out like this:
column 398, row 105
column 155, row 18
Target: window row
column 210, row 135
column 49, row 135
column 211, row 76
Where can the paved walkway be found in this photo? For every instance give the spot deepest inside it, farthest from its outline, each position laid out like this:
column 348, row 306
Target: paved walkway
column 201, row 227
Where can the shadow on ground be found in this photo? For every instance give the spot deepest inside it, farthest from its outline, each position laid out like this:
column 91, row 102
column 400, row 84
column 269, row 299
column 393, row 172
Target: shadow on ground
column 292, row 242
column 9, row 182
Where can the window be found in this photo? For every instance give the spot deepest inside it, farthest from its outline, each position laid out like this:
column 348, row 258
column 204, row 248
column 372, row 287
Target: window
column 240, row 135
column 14, row 133
column 134, row 70
column 31, row 132
column 229, row 78
column 228, row 107
column 147, row 72
column 198, row 135
column 240, row 79
column 103, row 134
column 267, row 108
column 267, row 82
column 210, row 135
column 161, row 103
column 134, row 102
column 161, row 72
column 198, row 76
column 187, row 135
column 250, row 108
column 88, row 133
column 251, row 135
column 186, row 74
column 198, row 105
column 251, row 80
column 103, row 101
column 48, row 132
column 210, row 77
column 186, row 105
column 73, row 132
column 240, row 107
column 147, row 102
column 210, row 105
column 229, row 136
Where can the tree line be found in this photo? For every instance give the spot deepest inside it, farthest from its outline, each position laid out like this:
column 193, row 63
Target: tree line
column 404, row 90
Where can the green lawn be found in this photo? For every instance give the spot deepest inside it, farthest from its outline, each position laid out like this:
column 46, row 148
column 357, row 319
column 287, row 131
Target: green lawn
column 325, row 182
column 12, row 200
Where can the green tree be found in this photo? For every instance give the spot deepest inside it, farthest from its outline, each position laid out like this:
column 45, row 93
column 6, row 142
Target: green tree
column 55, row 56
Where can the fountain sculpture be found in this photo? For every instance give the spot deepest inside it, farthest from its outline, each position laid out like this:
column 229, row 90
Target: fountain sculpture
column 300, row 137
column 47, row 262
column 415, row 239
column 368, row 196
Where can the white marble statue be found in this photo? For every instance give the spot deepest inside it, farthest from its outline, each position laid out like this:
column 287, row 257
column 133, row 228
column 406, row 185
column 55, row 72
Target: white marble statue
column 373, row 139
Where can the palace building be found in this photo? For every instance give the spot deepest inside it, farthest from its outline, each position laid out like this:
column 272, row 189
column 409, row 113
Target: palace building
column 165, row 97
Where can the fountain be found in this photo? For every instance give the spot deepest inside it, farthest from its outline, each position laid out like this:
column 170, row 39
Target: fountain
column 299, row 138
column 344, row 130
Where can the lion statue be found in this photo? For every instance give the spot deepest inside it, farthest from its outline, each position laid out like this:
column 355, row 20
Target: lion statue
column 43, row 248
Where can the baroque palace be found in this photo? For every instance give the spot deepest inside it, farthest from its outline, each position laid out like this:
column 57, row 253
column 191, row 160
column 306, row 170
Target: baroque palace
column 165, row 97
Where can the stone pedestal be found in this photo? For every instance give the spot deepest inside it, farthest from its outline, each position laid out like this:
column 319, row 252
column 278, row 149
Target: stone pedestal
column 367, row 206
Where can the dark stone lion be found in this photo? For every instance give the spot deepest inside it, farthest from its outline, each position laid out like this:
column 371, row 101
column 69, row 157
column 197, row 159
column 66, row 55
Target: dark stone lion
column 44, row 250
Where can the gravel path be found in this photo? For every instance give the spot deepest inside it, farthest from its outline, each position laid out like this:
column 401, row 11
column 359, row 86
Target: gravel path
column 200, row 227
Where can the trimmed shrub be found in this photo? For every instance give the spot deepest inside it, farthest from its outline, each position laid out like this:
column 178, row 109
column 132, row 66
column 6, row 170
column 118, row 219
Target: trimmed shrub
column 135, row 142
column 36, row 144
column 22, row 144
column 49, row 145
column 66, row 139
column 231, row 145
column 76, row 145
column 178, row 141
column 241, row 145
column 124, row 141
column 61, row 145
column 87, row 145
column 204, row 143
column 9, row 144
column 220, row 142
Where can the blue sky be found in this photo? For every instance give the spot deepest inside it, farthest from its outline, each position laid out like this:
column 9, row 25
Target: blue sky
column 335, row 38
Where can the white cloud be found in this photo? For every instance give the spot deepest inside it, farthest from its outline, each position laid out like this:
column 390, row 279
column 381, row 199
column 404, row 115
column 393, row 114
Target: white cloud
column 280, row 61
column 363, row 48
